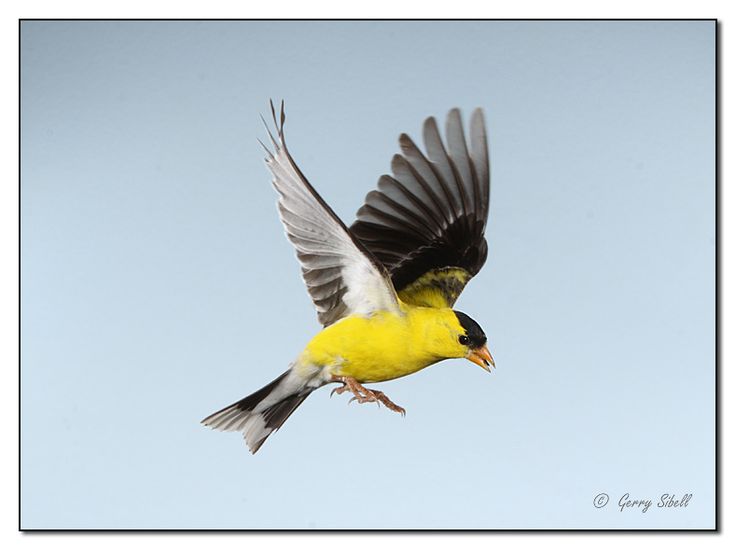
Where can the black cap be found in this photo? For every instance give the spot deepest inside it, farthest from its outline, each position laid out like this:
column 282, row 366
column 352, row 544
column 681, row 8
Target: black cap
column 472, row 330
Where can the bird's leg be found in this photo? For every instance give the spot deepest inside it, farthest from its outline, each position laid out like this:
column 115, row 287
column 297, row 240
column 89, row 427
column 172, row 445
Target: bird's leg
column 362, row 394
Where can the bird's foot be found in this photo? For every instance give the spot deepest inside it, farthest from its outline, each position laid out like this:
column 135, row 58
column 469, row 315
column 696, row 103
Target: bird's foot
column 362, row 394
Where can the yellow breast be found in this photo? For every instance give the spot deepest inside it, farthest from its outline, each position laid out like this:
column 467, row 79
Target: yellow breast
column 385, row 345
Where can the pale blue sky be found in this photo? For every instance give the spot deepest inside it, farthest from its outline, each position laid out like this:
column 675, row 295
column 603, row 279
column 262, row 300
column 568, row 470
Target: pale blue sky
column 157, row 285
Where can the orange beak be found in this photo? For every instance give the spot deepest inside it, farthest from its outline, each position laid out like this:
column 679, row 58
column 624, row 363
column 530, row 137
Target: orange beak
column 481, row 357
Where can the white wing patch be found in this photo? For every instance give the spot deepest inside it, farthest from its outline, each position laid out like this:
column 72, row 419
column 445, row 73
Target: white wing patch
column 364, row 295
column 341, row 276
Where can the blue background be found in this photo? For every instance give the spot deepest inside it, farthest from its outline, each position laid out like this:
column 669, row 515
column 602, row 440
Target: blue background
column 157, row 285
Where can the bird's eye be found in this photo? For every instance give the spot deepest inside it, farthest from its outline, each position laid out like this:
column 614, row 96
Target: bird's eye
column 464, row 340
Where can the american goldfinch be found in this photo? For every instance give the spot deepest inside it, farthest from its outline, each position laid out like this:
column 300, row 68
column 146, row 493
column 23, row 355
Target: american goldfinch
column 383, row 288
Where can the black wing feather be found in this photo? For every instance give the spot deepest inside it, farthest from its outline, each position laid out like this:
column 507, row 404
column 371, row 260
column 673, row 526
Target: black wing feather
column 432, row 213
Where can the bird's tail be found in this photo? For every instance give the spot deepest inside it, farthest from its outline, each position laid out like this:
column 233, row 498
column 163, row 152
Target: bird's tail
column 263, row 412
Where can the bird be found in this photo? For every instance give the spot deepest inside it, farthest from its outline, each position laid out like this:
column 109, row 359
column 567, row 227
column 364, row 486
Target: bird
column 384, row 288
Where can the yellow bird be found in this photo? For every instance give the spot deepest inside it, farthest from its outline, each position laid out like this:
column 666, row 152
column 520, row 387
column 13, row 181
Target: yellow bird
column 383, row 288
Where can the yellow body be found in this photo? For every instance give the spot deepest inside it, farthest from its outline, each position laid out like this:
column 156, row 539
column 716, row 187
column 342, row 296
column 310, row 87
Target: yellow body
column 385, row 345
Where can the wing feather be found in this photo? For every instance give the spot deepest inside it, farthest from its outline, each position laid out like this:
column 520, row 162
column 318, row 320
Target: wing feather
column 443, row 166
column 428, row 188
column 413, row 206
column 426, row 223
column 342, row 275
column 480, row 162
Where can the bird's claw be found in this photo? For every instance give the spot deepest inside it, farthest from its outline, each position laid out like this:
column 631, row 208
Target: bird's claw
column 339, row 390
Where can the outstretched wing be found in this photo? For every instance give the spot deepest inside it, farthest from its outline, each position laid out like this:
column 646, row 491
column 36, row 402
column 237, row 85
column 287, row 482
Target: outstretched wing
column 342, row 277
column 426, row 222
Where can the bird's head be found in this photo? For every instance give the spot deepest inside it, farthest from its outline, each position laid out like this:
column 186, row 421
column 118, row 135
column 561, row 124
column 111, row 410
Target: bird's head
column 471, row 342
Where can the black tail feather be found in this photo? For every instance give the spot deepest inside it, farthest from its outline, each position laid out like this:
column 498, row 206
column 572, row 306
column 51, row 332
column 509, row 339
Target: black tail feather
column 257, row 423
column 250, row 402
column 277, row 414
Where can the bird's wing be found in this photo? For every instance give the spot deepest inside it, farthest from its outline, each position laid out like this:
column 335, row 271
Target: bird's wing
column 426, row 222
column 341, row 275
